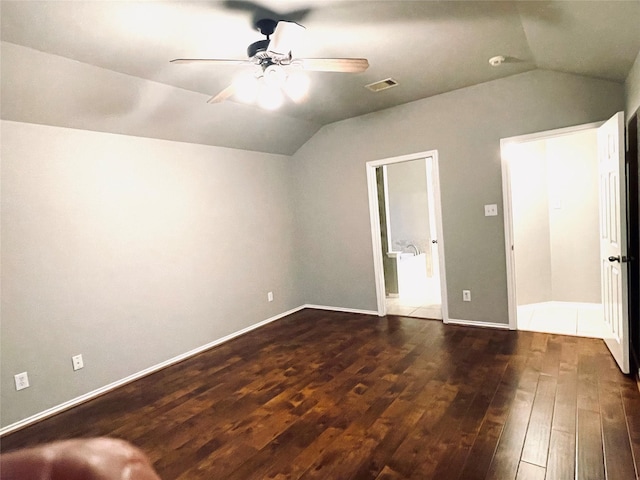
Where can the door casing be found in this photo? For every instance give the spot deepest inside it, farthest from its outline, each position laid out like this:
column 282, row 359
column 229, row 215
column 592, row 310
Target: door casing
column 375, row 226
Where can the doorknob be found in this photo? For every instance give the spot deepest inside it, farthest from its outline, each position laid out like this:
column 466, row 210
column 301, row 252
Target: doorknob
column 622, row 259
column 434, row 241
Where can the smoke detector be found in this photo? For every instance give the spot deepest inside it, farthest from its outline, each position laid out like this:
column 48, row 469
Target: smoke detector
column 497, row 60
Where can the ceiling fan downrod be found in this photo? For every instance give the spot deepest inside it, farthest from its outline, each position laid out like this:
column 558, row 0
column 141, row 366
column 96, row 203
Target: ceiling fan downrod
column 266, row 27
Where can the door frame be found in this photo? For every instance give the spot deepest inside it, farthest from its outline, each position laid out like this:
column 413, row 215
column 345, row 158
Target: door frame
column 512, row 300
column 633, row 233
column 375, row 225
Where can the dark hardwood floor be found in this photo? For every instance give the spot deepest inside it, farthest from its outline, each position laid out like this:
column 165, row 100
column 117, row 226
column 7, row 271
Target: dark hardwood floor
column 337, row 396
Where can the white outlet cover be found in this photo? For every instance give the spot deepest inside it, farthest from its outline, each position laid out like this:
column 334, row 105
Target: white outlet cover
column 77, row 362
column 22, row 380
column 491, row 210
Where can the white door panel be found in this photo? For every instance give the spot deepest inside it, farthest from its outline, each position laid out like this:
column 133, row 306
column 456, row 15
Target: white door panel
column 613, row 236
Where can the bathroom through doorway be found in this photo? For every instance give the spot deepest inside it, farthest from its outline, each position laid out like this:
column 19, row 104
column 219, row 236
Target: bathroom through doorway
column 408, row 235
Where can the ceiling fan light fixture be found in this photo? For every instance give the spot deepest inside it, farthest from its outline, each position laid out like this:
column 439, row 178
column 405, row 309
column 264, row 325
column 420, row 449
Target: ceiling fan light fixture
column 270, row 97
column 277, row 70
column 274, row 76
column 297, row 86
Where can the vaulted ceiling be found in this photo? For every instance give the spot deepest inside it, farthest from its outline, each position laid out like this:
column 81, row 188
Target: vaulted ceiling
column 104, row 65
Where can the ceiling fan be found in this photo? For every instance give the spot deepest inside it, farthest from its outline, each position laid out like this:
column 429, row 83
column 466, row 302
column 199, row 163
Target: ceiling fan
column 276, row 70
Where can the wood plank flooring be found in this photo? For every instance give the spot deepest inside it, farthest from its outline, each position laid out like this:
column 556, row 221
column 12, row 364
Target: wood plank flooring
column 327, row 395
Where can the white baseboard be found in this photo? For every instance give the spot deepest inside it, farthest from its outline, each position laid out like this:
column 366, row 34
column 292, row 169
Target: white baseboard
column 147, row 371
column 475, row 323
column 341, row 309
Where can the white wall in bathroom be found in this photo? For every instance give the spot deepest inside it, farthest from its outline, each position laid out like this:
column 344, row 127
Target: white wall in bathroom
column 408, row 205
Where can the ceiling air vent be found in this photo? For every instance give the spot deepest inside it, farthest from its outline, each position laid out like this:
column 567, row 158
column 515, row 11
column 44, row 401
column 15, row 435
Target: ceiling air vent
column 382, row 85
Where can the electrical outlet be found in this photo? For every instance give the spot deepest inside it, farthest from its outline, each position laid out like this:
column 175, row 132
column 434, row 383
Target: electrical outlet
column 22, row 380
column 491, row 210
column 77, row 362
column 466, row 295
column 270, row 296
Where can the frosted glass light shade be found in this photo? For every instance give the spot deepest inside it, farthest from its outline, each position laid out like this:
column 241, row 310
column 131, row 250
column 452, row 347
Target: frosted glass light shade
column 297, row 86
column 270, row 97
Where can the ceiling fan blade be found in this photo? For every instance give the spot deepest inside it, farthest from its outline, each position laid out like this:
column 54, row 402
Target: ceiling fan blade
column 285, row 37
column 345, row 65
column 259, row 11
column 215, row 61
column 223, row 95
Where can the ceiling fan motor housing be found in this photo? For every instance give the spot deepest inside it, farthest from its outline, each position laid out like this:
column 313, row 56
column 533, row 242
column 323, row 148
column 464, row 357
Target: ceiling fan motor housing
column 266, row 26
column 255, row 47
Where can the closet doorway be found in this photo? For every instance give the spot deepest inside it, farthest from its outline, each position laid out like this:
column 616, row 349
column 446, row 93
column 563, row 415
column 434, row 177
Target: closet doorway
column 554, row 203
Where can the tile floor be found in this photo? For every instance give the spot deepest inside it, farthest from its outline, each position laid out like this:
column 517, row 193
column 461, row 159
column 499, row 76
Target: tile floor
column 566, row 318
column 421, row 306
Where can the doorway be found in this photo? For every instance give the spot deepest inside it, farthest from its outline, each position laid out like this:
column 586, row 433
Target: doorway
column 404, row 201
column 553, row 205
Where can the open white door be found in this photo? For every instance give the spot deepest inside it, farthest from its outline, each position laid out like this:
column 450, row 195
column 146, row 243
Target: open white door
column 613, row 239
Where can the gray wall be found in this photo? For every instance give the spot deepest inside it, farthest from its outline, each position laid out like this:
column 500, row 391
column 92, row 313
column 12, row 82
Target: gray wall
column 465, row 126
column 131, row 251
column 632, row 89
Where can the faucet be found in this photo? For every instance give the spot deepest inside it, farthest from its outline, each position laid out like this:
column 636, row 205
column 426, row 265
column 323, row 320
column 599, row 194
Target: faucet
column 414, row 247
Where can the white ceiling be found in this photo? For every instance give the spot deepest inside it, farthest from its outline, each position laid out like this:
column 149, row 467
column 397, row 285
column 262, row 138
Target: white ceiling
column 429, row 47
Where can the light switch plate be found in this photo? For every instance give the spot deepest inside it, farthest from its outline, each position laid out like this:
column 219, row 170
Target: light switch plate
column 491, row 210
